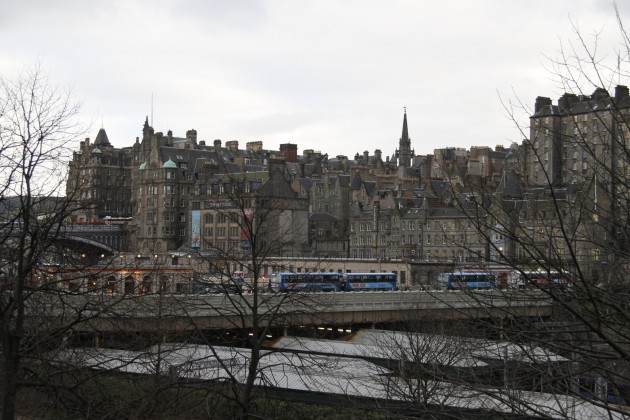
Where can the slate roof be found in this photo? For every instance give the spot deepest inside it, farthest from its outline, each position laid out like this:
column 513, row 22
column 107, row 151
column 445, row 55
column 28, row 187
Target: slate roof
column 510, row 185
column 101, row 138
column 440, row 188
column 356, row 181
column 370, row 186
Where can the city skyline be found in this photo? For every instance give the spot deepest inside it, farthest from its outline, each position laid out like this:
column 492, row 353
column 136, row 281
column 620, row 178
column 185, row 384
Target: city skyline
column 325, row 76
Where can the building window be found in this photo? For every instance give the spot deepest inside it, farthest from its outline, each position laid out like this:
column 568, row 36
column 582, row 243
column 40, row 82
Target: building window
column 595, row 254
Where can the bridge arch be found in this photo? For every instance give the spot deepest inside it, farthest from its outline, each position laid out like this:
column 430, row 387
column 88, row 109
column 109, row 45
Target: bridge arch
column 99, row 245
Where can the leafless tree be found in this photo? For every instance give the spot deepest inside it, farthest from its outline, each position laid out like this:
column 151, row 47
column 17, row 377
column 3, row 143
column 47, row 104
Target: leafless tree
column 37, row 125
column 556, row 220
column 46, row 288
column 262, row 220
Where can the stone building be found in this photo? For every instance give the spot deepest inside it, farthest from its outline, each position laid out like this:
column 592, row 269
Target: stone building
column 182, row 193
column 560, row 136
column 175, row 176
column 99, row 176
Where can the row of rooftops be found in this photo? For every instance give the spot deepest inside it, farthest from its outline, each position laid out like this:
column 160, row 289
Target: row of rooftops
column 187, row 153
column 572, row 104
column 176, row 151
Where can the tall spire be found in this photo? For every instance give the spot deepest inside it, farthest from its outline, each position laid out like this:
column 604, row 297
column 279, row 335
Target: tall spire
column 404, row 145
column 405, row 131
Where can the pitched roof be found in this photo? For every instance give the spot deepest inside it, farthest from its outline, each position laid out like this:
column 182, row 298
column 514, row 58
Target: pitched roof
column 510, row 185
column 101, row 138
column 356, row 181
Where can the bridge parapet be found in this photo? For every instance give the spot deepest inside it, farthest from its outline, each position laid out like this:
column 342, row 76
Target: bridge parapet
column 112, row 312
column 106, row 237
column 114, row 229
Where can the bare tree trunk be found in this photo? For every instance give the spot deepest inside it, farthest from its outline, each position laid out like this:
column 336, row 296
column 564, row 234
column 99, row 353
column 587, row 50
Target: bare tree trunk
column 36, row 126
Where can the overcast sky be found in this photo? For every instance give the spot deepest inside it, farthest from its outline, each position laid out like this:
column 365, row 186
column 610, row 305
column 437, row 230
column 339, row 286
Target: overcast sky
column 329, row 75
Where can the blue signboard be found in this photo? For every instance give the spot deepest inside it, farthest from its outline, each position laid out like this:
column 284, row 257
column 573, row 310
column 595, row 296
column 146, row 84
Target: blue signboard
column 195, row 225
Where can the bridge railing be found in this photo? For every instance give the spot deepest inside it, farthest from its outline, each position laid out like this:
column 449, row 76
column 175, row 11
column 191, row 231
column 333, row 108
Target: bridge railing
column 168, row 305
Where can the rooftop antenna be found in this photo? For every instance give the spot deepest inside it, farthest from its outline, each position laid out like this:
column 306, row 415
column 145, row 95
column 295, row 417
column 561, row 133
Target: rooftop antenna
column 405, row 109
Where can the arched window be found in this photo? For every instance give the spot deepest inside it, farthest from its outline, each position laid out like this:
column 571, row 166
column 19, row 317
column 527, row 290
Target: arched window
column 145, row 287
column 129, row 285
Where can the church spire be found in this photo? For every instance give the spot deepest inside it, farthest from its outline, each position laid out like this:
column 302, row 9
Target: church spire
column 404, row 145
column 405, row 130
